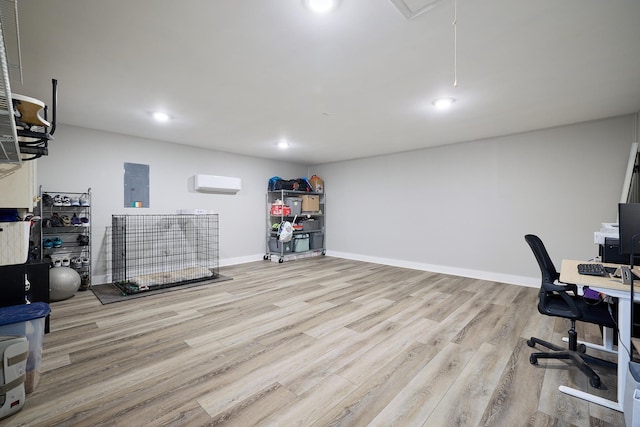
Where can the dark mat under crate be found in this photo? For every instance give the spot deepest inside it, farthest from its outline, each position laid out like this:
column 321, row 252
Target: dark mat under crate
column 110, row 293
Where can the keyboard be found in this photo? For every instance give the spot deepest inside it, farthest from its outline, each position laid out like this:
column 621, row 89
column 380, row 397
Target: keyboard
column 592, row 269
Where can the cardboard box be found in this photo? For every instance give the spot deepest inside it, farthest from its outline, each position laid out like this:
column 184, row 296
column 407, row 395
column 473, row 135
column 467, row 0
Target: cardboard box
column 310, row 203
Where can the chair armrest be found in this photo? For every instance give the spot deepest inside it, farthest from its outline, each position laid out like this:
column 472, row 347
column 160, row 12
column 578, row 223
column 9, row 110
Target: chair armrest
column 563, row 290
column 561, row 287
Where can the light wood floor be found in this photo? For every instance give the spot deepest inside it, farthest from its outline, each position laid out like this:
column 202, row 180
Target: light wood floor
column 314, row 342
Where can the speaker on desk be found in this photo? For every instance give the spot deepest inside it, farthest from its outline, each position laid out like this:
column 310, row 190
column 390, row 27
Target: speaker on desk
column 610, row 252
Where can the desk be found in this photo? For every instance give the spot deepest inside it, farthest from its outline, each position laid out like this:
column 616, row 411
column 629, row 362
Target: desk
column 612, row 287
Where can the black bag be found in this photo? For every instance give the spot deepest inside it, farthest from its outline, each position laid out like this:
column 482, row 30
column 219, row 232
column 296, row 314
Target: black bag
column 301, row 184
column 286, row 184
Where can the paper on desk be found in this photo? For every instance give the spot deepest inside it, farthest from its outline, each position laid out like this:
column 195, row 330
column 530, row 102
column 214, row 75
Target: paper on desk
column 599, row 236
column 608, row 230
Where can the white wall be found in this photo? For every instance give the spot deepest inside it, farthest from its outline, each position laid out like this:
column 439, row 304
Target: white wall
column 81, row 158
column 464, row 208
column 459, row 209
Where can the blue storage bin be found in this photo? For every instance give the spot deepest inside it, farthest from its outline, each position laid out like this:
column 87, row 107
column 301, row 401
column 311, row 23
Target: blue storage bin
column 27, row 320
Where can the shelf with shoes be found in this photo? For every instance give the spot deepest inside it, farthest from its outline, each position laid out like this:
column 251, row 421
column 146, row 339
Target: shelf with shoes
column 64, row 232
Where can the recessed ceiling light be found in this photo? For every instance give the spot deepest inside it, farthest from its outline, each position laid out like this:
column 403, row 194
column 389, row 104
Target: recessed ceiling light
column 283, row 145
column 320, row 6
column 160, row 116
column 443, row 103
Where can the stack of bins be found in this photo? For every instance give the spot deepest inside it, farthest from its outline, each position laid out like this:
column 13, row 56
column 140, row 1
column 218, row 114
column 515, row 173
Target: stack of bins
column 27, row 320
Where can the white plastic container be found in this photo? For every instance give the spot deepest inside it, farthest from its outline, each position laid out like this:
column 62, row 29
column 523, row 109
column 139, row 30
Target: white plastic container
column 300, row 243
column 27, row 320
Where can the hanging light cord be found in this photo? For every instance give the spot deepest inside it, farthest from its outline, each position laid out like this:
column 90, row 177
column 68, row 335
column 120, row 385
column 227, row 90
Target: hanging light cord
column 455, row 43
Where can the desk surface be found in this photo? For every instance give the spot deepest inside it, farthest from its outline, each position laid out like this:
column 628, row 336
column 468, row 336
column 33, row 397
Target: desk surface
column 569, row 274
column 613, row 287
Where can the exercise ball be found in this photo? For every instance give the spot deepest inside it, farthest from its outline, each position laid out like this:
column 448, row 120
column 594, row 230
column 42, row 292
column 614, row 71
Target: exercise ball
column 63, row 283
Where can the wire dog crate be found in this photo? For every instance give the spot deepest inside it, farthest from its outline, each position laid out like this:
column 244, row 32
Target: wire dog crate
column 158, row 251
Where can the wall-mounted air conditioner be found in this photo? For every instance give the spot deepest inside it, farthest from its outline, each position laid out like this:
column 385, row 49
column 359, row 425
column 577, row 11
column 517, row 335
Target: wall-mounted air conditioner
column 217, row 184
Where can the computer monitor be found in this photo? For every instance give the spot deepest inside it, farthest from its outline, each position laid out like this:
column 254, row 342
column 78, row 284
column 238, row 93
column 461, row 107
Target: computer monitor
column 628, row 227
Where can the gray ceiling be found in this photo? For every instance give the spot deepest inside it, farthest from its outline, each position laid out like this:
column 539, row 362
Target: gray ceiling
column 240, row 75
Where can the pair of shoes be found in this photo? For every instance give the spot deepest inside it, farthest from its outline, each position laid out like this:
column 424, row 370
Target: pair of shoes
column 48, row 243
column 47, row 200
column 66, row 221
column 31, row 217
column 76, row 263
column 57, row 262
column 75, row 201
column 83, row 240
column 56, row 242
column 56, row 221
column 85, row 221
column 85, row 281
column 85, row 261
column 84, row 200
column 75, row 221
column 66, row 262
column 59, row 200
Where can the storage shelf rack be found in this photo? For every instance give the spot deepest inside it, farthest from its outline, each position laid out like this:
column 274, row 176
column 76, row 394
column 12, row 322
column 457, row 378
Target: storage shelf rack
column 310, row 240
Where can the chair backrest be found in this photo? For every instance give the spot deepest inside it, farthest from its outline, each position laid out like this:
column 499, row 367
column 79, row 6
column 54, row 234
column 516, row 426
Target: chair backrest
column 547, row 269
column 553, row 299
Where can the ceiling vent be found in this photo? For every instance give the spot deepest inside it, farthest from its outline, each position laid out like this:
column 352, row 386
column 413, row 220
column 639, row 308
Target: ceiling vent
column 412, row 8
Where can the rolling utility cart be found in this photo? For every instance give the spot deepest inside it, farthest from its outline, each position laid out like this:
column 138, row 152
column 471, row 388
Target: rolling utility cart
column 306, row 212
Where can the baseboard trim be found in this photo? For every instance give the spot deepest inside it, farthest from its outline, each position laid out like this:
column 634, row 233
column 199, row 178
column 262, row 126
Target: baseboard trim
column 240, row 260
column 530, row 282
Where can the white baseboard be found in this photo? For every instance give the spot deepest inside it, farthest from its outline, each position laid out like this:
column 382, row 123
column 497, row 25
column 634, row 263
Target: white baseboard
column 240, row 260
column 474, row 274
column 532, row 282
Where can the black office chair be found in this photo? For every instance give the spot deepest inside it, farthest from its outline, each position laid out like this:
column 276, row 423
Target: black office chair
column 562, row 300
